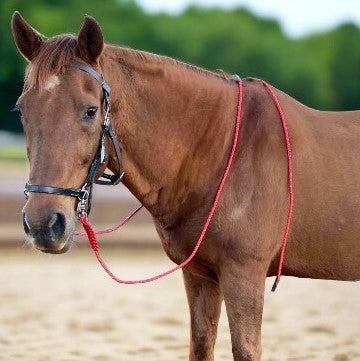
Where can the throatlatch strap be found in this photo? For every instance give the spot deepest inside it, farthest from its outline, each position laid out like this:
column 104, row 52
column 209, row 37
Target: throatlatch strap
column 113, row 178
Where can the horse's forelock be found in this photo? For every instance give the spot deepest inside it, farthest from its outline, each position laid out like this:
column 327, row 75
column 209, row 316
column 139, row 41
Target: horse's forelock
column 53, row 58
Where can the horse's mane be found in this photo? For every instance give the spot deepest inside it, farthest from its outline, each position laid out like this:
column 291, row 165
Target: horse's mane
column 55, row 54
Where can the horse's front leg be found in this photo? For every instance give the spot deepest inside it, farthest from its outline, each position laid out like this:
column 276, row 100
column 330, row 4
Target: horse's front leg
column 243, row 289
column 204, row 298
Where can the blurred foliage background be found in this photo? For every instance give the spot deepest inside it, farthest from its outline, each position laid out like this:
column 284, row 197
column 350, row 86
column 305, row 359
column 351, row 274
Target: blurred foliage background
column 321, row 70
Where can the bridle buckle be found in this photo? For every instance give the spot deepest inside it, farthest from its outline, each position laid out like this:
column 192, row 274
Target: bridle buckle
column 82, row 205
column 26, row 192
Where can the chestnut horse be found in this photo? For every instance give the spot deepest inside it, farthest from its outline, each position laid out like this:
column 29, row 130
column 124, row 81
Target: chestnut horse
column 175, row 123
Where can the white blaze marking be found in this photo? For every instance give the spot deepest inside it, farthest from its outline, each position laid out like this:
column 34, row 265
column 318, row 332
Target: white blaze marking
column 52, row 83
column 237, row 213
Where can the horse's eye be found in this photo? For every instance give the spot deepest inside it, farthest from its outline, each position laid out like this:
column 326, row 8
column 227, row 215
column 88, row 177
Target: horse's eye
column 17, row 110
column 90, row 113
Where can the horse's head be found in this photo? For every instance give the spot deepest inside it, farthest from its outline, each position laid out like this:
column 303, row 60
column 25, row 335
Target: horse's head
column 62, row 114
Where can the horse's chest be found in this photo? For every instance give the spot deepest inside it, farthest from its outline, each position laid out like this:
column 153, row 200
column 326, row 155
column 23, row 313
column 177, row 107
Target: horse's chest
column 179, row 247
column 176, row 250
column 176, row 244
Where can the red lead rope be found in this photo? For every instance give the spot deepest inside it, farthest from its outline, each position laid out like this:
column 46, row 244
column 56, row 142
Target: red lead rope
column 91, row 234
column 290, row 181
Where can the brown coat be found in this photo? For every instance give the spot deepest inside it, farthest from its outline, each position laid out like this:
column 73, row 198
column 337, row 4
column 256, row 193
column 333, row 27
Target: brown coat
column 175, row 123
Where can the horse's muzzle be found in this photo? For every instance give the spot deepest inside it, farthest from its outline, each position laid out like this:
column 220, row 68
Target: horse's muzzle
column 49, row 235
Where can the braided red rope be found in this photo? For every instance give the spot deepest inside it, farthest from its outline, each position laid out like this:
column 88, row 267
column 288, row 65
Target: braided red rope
column 290, row 181
column 92, row 235
column 114, row 228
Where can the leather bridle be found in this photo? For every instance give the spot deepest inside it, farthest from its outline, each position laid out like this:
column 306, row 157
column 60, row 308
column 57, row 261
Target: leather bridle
column 84, row 194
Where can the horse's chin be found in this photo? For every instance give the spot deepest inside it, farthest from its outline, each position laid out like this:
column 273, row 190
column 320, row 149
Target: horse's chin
column 67, row 245
column 61, row 251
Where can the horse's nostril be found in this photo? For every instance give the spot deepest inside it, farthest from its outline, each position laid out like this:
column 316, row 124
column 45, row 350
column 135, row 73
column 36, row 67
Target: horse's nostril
column 57, row 225
column 26, row 224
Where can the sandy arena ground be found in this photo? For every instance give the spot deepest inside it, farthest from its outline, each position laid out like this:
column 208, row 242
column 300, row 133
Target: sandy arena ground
column 65, row 308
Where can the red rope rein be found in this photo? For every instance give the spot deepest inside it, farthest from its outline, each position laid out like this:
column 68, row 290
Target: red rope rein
column 91, row 234
column 290, row 181
column 114, row 228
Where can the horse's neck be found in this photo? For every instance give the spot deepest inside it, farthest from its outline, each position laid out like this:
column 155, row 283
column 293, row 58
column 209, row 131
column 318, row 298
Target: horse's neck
column 175, row 125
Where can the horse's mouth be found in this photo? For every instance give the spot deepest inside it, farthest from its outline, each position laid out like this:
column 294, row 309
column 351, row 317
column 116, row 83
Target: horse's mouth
column 59, row 250
column 51, row 251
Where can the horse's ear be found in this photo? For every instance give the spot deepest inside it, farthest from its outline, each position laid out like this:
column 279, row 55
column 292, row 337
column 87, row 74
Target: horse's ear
column 27, row 39
column 90, row 40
